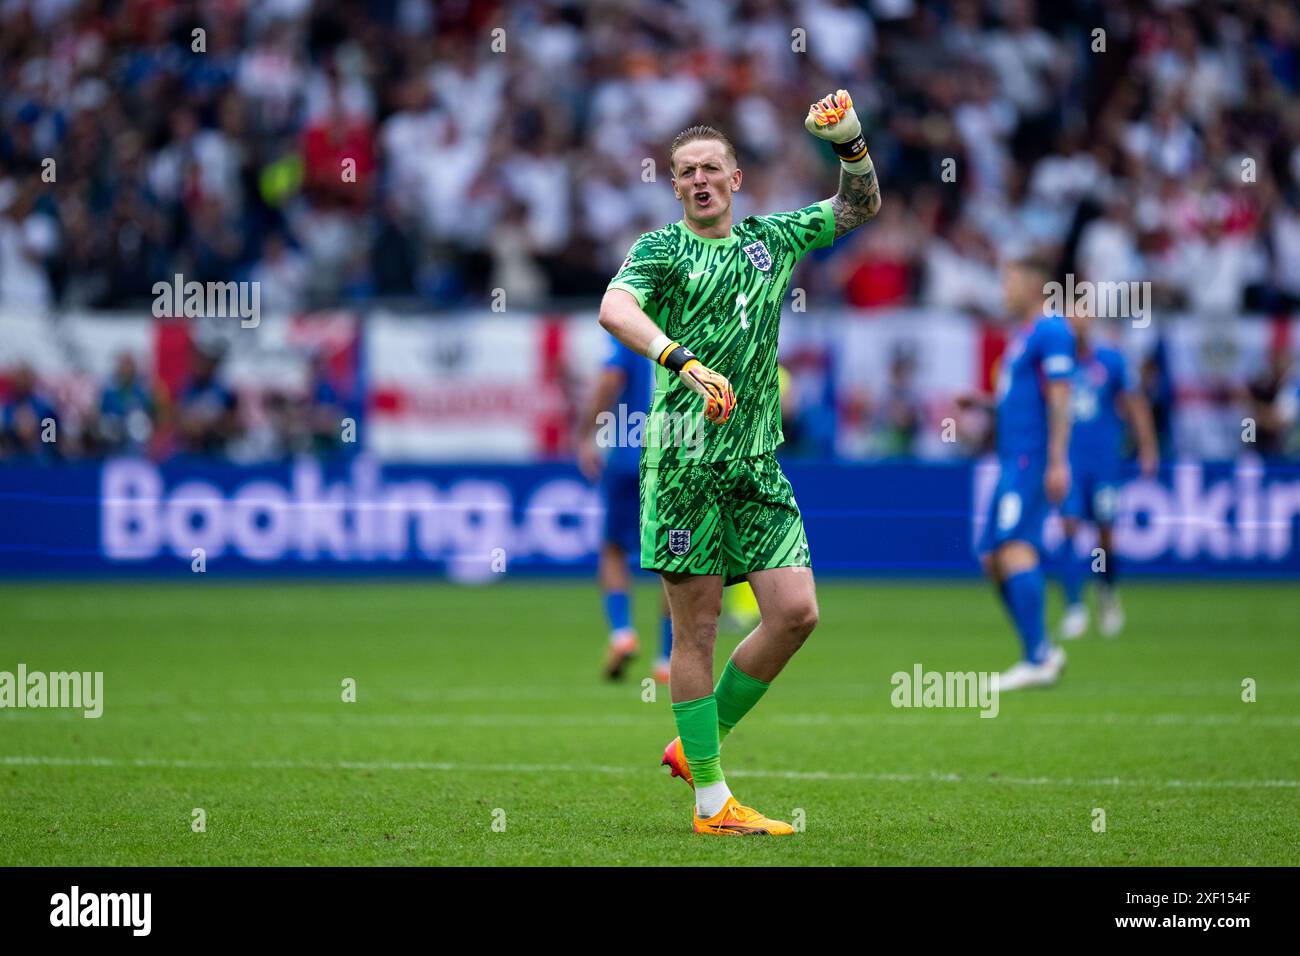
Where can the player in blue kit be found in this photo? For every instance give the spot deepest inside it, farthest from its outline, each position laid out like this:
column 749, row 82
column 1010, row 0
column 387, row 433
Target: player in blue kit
column 615, row 421
column 1101, row 398
column 1033, row 439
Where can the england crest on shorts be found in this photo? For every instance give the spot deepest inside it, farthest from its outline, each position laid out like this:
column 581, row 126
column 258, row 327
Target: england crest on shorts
column 679, row 541
column 759, row 255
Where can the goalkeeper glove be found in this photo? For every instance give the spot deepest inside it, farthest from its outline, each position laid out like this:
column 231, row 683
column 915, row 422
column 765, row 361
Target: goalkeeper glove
column 719, row 398
column 833, row 118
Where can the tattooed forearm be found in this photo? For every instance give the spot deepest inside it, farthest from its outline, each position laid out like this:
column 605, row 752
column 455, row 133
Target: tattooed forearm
column 857, row 201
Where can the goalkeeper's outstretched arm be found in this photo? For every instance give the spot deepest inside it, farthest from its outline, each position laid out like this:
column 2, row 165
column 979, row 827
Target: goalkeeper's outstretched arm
column 623, row 318
column 833, row 118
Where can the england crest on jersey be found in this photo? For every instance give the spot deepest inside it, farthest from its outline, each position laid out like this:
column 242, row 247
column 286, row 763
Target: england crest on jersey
column 679, row 541
column 759, row 255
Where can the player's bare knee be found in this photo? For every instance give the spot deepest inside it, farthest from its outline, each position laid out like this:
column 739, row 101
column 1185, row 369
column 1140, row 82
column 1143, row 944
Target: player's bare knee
column 798, row 619
column 1015, row 557
column 807, row 622
column 699, row 631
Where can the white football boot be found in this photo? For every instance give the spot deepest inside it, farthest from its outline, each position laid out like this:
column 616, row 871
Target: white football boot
column 1075, row 622
column 1025, row 674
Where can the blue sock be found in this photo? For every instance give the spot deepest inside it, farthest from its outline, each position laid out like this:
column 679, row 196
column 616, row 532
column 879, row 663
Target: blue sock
column 1024, row 592
column 1072, row 570
column 1108, row 576
column 618, row 610
column 1006, row 602
column 666, row 637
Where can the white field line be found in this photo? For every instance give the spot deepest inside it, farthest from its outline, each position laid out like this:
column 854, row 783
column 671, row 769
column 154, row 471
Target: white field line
column 849, row 694
column 916, row 717
column 526, row 768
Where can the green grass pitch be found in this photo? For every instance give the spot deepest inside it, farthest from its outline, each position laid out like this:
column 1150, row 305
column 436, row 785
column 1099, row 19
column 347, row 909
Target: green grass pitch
column 483, row 705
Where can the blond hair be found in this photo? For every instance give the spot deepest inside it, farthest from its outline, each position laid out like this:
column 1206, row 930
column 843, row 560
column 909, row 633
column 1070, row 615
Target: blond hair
column 695, row 133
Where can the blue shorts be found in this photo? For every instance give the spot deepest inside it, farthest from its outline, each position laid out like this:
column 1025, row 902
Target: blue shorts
column 1094, row 494
column 621, row 495
column 1018, row 506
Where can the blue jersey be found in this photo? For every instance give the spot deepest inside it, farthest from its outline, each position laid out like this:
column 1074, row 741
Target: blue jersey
column 1096, row 439
column 638, row 387
column 1036, row 354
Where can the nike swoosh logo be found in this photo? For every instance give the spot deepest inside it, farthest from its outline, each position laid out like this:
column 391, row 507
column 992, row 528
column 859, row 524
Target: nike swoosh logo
column 696, row 275
column 740, row 828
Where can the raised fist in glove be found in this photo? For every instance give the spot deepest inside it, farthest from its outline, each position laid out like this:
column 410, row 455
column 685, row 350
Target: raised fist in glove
column 833, row 119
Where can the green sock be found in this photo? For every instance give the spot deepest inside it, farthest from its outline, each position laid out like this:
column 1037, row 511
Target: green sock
column 697, row 723
column 736, row 693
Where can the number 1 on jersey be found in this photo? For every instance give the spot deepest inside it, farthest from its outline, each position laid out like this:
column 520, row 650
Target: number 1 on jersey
column 744, row 320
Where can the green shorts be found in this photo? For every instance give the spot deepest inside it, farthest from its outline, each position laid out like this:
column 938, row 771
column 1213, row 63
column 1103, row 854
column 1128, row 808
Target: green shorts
column 727, row 517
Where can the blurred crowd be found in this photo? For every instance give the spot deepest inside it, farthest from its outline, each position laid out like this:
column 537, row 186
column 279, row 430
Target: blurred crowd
column 135, row 413
column 340, row 152
column 897, row 418
column 436, row 150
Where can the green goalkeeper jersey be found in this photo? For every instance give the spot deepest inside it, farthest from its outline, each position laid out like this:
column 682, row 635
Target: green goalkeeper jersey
column 721, row 298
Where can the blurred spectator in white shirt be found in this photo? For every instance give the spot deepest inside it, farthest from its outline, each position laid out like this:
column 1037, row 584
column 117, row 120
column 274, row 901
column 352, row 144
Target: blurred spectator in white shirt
column 282, row 276
column 27, row 239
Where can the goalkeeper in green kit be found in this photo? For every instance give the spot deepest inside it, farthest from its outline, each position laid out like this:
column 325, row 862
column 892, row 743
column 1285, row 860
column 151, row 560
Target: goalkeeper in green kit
column 702, row 299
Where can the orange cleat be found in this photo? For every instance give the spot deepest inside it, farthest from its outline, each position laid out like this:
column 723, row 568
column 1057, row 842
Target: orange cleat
column 675, row 759
column 661, row 673
column 621, row 650
column 736, row 820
